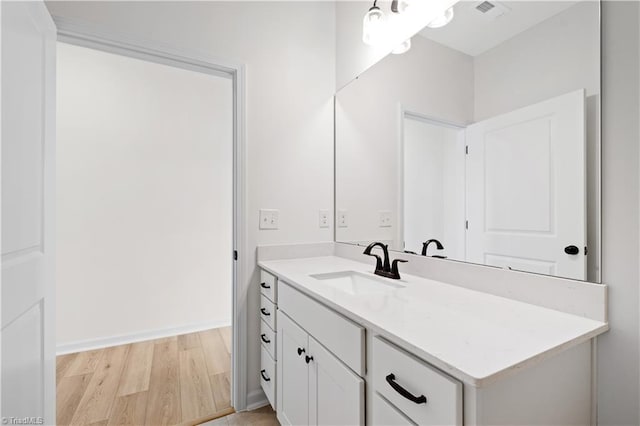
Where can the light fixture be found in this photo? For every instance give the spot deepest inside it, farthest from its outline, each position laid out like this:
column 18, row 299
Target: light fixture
column 442, row 20
column 403, row 47
column 373, row 26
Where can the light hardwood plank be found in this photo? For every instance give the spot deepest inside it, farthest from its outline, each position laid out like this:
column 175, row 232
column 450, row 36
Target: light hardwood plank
column 137, row 373
column 188, row 341
column 163, row 405
column 69, row 392
column 221, row 389
column 129, row 409
column 225, row 332
column 165, row 340
column 84, row 363
column 216, row 355
column 98, row 399
column 195, row 388
column 63, row 362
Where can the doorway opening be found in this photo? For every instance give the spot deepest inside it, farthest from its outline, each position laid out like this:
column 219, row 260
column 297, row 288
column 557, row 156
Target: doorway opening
column 147, row 233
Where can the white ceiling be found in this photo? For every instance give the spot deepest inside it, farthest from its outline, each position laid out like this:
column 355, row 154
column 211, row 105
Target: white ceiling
column 473, row 32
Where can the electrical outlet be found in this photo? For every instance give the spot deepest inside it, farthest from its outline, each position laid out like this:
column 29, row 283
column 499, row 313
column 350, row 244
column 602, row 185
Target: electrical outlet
column 269, row 219
column 342, row 219
column 385, row 219
column 324, row 218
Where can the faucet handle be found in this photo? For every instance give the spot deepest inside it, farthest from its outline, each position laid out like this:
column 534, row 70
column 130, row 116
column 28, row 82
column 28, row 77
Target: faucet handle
column 378, row 260
column 394, row 268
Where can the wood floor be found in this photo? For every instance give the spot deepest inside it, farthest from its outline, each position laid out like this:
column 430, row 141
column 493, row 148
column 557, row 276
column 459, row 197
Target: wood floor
column 175, row 380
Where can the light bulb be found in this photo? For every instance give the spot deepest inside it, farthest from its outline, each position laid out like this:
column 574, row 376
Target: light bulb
column 403, row 47
column 373, row 27
column 442, row 20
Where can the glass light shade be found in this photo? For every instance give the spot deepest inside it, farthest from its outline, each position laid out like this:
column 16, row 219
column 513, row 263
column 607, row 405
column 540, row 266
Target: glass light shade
column 373, row 27
column 442, row 20
column 403, row 47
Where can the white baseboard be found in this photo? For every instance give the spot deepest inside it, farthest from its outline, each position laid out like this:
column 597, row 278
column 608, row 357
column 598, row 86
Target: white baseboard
column 123, row 339
column 256, row 399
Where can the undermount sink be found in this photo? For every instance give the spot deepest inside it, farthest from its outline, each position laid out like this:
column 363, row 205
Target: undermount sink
column 356, row 283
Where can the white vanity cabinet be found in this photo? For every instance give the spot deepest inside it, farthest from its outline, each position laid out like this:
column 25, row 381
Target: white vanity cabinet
column 314, row 386
column 335, row 364
column 268, row 335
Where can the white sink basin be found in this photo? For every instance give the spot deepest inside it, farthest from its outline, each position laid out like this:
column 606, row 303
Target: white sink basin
column 356, row 283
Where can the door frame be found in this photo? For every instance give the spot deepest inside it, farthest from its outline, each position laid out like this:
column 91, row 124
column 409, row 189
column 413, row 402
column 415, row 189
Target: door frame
column 404, row 113
column 107, row 40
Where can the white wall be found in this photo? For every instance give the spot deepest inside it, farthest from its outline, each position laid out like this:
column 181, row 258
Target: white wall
column 289, row 52
column 618, row 377
column 368, row 125
column 618, row 360
column 144, row 205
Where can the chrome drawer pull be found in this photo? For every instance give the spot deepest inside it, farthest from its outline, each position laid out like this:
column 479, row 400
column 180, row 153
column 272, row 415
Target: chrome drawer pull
column 391, row 379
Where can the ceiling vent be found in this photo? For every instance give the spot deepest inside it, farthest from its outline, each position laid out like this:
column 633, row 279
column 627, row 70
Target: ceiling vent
column 485, row 6
column 491, row 9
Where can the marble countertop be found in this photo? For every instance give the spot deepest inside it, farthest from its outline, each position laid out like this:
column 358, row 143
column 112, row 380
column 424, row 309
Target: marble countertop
column 473, row 336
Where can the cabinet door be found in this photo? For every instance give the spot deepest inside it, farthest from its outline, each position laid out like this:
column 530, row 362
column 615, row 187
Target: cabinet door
column 293, row 376
column 336, row 394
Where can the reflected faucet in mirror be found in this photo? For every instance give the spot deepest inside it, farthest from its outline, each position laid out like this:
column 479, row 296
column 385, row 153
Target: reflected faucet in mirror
column 439, row 246
column 382, row 266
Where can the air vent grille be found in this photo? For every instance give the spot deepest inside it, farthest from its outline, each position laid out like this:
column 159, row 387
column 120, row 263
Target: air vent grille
column 485, row 6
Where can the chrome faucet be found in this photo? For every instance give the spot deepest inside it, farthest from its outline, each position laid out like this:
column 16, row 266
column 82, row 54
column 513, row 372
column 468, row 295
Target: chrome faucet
column 382, row 266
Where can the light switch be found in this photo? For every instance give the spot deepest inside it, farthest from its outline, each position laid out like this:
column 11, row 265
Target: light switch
column 385, row 219
column 324, row 218
column 342, row 219
column 269, row 219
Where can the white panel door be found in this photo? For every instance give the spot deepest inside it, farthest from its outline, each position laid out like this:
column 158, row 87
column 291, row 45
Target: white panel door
column 293, row 373
column 526, row 197
column 28, row 153
column 336, row 394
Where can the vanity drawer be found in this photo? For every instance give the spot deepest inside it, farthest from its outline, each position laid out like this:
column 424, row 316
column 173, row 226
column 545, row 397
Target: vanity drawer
column 268, row 285
column 344, row 338
column 268, row 376
column 268, row 312
column 385, row 414
column 268, row 339
column 396, row 372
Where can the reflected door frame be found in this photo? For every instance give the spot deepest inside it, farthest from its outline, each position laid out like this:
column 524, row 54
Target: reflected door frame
column 404, row 113
column 103, row 39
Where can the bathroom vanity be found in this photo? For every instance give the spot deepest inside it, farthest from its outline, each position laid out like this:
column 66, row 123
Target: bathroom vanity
column 355, row 348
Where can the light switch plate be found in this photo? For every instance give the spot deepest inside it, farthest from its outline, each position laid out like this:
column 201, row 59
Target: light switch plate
column 269, row 219
column 323, row 219
column 385, row 219
column 342, row 219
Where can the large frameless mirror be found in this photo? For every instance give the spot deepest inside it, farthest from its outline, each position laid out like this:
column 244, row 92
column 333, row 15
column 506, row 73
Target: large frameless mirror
column 481, row 143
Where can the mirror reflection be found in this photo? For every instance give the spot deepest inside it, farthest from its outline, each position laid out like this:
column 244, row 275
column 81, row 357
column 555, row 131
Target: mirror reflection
column 480, row 143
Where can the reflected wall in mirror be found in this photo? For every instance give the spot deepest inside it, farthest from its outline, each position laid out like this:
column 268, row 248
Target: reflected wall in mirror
column 482, row 142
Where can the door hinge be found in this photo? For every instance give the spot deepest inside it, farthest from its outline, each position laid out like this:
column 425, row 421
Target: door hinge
column 235, row 255
column 466, row 224
column 466, row 149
